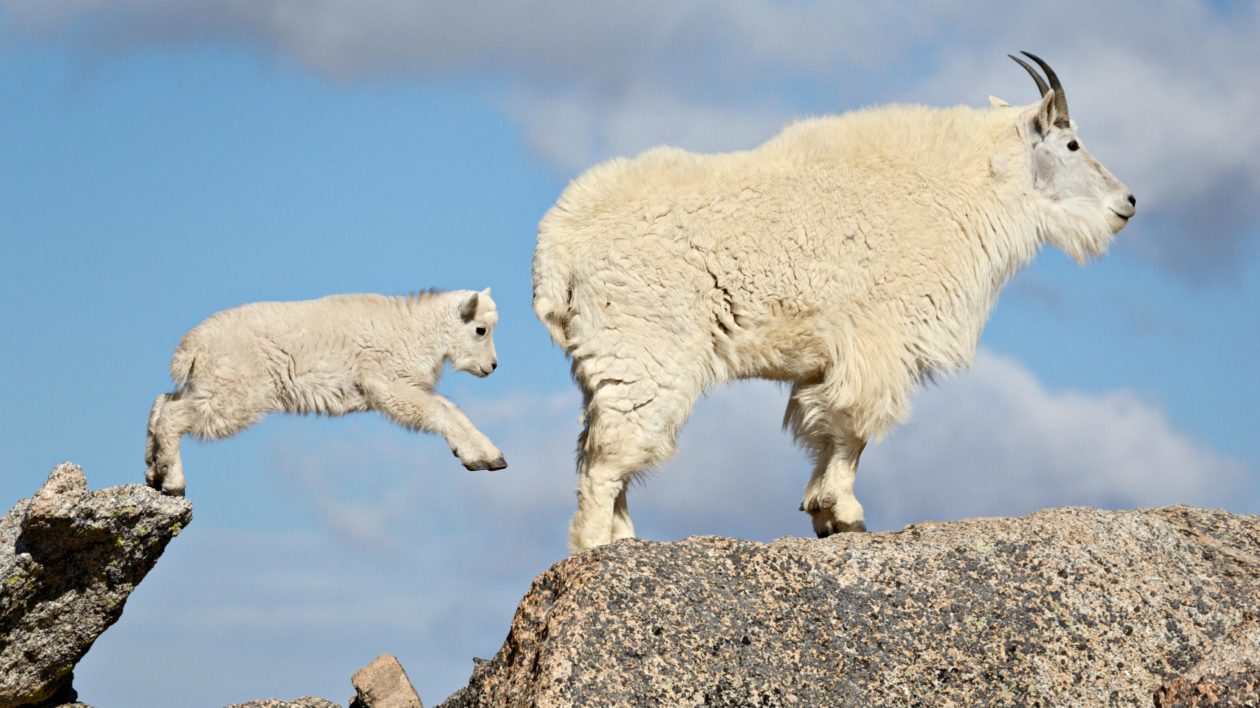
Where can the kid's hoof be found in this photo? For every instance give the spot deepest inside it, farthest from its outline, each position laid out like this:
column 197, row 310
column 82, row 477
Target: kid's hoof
column 834, row 527
column 173, row 492
column 477, row 465
column 498, row 463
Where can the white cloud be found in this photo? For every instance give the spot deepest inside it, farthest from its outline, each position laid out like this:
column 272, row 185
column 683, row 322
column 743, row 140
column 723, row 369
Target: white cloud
column 573, row 131
column 565, row 40
column 996, row 442
column 1164, row 91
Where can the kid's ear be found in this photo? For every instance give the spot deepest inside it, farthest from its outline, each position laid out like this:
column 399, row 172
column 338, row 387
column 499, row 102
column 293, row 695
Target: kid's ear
column 468, row 310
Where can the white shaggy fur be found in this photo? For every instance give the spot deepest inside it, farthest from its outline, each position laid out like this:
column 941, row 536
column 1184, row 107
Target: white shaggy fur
column 851, row 256
column 336, row 355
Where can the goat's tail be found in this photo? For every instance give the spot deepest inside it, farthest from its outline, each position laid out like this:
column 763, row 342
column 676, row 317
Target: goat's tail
column 553, row 292
column 182, row 364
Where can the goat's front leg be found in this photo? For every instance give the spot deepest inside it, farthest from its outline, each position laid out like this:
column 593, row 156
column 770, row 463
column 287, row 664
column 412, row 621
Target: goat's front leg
column 421, row 409
column 829, row 498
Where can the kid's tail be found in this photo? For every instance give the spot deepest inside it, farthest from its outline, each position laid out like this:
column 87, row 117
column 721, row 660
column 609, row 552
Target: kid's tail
column 182, row 364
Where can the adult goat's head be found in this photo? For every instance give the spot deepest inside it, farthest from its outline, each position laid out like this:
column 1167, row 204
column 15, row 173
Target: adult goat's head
column 1086, row 204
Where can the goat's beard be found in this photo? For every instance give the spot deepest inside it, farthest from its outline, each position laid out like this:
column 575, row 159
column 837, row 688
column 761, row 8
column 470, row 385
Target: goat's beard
column 1081, row 229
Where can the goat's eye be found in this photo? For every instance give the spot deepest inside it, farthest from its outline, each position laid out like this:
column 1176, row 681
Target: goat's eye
column 1074, row 146
column 481, row 331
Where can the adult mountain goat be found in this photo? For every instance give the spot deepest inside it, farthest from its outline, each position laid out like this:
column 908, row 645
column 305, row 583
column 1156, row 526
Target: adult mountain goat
column 851, row 256
column 336, row 355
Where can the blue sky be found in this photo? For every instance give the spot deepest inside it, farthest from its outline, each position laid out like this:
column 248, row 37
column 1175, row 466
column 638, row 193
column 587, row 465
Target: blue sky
column 162, row 161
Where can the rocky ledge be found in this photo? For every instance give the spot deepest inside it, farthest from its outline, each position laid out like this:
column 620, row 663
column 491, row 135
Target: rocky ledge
column 69, row 558
column 1063, row 607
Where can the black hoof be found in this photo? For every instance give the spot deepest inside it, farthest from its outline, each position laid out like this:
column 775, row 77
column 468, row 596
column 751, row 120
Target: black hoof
column 498, row 463
column 477, row 465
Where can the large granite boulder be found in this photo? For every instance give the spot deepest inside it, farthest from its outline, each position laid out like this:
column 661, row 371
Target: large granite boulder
column 1063, row 607
column 69, row 558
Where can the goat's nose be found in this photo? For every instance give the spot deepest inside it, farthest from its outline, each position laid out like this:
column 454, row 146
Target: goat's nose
column 494, row 365
column 1132, row 201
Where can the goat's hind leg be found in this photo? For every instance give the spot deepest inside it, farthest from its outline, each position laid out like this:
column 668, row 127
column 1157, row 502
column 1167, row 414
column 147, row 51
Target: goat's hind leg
column 173, row 421
column 208, row 416
column 151, row 475
column 631, row 425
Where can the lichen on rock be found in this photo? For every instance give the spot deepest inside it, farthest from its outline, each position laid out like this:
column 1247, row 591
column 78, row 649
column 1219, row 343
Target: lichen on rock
column 69, row 557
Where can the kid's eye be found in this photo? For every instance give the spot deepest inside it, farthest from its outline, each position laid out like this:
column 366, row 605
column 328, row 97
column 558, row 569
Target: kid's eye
column 1074, row 146
column 481, row 331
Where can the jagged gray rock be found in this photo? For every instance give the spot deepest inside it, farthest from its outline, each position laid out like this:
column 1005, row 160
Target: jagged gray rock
column 1063, row 607
column 69, row 557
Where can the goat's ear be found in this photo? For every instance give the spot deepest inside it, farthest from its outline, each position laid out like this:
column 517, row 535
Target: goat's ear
column 1047, row 114
column 996, row 102
column 468, row 309
column 486, row 292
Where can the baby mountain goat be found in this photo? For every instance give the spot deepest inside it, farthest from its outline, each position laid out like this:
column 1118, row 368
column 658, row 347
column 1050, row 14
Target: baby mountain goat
column 336, row 355
column 850, row 256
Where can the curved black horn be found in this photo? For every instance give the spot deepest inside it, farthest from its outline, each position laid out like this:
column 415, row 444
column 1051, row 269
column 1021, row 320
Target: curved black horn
column 1060, row 98
column 1041, row 83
